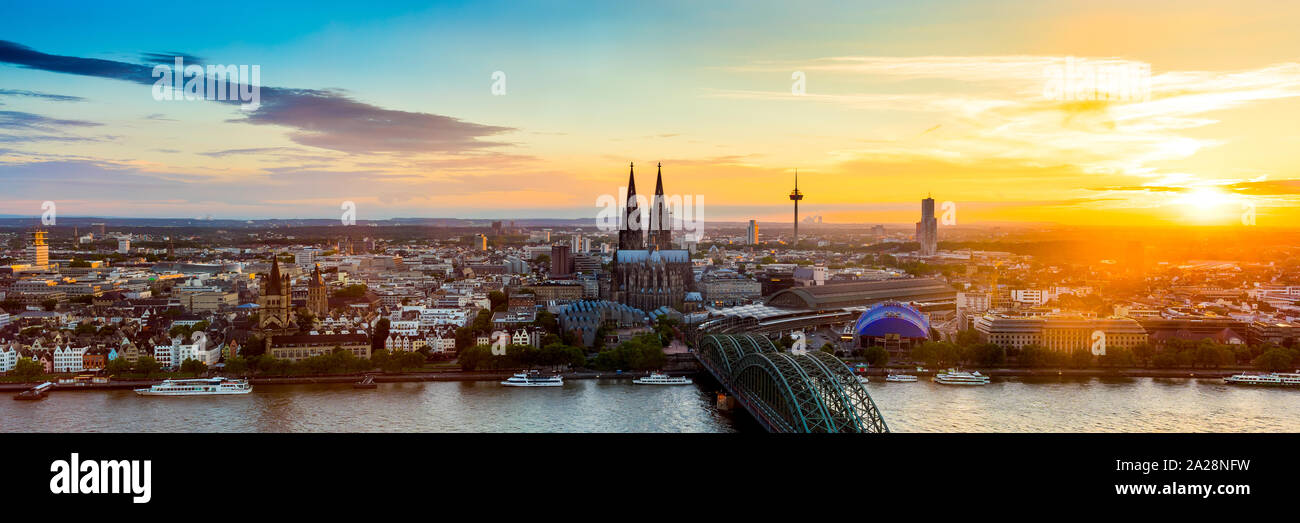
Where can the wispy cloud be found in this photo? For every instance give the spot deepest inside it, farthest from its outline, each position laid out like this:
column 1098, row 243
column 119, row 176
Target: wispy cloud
column 327, row 119
column 994, row 107
column 40, row 95
column 21, row 121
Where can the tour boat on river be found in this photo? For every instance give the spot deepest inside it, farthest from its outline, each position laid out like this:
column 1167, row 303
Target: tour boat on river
column 954, row 377
column 1273, row 379
column 900, row 378
column 656, row 378
column 533, row 379
column 198, row 387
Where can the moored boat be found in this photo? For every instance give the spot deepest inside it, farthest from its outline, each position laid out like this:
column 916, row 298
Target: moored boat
column 367, row 382
column 38, row 392
column 900, row 378
column 656, row 378
column 533, row 379
column 217, row 386
column 1272, row 379
column 955, row 377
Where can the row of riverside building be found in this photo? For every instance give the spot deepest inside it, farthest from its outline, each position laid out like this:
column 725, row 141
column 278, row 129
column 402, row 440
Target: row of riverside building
column 1066, row 333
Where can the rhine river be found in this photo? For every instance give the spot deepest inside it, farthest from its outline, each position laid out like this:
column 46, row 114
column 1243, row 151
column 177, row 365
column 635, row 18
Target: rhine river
column 1006, row 405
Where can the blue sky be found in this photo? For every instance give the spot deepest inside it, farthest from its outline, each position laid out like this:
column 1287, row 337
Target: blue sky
column 388, row 104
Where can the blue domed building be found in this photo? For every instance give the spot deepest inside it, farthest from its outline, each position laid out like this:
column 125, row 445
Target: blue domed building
column 893, row 325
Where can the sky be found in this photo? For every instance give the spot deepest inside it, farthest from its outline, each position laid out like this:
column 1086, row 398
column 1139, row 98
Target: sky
column 535, row 110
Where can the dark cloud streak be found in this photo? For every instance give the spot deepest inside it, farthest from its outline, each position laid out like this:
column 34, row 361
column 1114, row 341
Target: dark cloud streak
column 44, row 96
column 21, row 121
column 320, row 118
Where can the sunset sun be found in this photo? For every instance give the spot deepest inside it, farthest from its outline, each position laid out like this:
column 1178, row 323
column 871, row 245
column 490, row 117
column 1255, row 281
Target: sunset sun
column 1205, row 204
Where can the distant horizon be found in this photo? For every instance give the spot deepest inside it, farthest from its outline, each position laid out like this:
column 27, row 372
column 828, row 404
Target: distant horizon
column 538, row 109
column 523, row 222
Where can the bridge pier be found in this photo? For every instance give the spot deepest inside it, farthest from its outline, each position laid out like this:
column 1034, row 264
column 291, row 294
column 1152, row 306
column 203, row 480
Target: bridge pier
column 725, row 402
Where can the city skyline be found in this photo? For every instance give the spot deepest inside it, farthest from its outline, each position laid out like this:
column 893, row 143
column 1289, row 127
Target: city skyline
column 400, row 115
column 393, row 225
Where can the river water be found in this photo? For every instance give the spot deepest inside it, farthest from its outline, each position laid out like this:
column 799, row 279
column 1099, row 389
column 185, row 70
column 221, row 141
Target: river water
column 1009, row 405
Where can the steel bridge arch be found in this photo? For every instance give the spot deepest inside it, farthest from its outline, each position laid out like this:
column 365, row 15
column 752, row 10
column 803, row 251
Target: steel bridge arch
column 810, row 392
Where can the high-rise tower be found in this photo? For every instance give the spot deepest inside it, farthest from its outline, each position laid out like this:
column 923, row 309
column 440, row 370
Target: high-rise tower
column 38, row 252
column 927, row 230
column 795, row 196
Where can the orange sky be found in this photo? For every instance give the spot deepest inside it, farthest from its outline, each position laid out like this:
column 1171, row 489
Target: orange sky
column 899, row 102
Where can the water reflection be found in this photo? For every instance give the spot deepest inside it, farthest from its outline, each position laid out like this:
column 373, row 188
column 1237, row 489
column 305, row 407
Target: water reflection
column 1038, row 404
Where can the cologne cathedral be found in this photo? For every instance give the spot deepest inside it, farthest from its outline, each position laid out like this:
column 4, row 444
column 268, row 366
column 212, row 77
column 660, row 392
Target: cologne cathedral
column 648, row 272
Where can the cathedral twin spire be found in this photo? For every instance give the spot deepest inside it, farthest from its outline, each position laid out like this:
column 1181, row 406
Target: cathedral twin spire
column 631, row 237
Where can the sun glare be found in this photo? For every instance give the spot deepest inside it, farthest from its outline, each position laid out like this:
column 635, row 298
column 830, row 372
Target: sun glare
column 1204, row 204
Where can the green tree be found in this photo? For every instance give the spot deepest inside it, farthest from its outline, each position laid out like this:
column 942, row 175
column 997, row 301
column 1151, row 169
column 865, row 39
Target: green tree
column 1276, row 360
column 380, row 337
column 117, row 366
column 546, row 320
column 666, row 328
column 560, row 354
column 306, row 320
column 236, row 366
column 1081, row 358
column 1117, row 357
column 643, row 352
column 937, row 353
column 876, row 355
column 1210, row 354
column 987, row 354
column 253, row 346
column 147, row 365
column 1165, row 360
column 1038, row 356
column 193, row 366
column 477, row 357
column 27, row 369
column 1143, row 353
column 498, row 301
column 482, row 321
column 351, row 291
column 968, row 338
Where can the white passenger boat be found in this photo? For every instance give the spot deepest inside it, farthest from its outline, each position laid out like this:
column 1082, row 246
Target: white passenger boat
column 862, row 379
column 656, row 378
column 1273, row 379
column 954, row 377
column 900, row 378
column 198, row 387
column 533, row 379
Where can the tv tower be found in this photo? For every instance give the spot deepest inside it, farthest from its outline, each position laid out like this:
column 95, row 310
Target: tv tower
column 795, row 196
